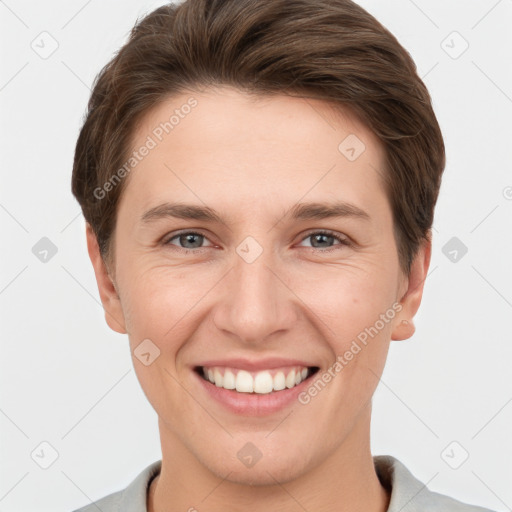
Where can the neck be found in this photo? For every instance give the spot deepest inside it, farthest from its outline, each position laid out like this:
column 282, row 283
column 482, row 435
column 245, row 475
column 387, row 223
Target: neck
column 345, row 481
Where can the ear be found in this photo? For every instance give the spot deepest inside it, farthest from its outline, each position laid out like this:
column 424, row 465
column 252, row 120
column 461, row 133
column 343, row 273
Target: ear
column 108, row 293
column 411, row 299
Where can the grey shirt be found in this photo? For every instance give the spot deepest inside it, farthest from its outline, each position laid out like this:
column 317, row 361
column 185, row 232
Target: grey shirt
column 407, row 493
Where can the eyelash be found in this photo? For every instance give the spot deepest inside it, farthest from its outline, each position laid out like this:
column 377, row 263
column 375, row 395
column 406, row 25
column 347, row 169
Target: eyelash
column 345, row 242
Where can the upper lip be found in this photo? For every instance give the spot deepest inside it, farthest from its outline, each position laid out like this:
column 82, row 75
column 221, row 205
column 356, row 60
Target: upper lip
column 253, row 365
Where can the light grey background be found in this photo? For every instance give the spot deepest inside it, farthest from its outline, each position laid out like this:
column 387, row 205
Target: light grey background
column 67, row 380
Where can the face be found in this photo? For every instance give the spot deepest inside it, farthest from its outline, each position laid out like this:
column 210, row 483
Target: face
column 265, row 284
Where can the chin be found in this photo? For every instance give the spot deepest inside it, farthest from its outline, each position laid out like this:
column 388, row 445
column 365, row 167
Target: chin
column 266, row 471
column 261, row 476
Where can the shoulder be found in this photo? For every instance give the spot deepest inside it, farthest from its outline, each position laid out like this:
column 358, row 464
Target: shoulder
column 110, row 503
column 130, row 499
column 408, row 494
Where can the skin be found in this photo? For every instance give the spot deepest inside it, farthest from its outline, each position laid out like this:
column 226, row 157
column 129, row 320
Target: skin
column 252, row 160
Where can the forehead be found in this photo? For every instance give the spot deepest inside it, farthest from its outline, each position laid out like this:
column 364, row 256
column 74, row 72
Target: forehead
column 255, row 151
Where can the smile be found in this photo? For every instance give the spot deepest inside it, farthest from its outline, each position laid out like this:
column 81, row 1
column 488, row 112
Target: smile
column 261, row 382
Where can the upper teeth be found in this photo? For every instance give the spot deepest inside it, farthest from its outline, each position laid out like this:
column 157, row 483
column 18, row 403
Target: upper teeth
column 255, row 382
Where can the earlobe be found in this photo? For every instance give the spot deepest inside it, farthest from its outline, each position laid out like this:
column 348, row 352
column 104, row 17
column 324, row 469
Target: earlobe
column 411, row 300
column 403, row 331
column 108, row 293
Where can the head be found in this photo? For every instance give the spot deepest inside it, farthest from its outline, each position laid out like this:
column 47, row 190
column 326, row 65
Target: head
column 246, row 111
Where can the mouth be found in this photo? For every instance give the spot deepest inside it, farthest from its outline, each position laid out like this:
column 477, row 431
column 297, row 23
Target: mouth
column 271, row 381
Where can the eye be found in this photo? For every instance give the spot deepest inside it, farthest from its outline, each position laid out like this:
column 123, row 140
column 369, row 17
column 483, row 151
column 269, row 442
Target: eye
column 190, row 239
column 323, row 237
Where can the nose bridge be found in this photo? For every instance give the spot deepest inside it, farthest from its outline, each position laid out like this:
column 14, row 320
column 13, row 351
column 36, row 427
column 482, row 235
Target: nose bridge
column 257, row 302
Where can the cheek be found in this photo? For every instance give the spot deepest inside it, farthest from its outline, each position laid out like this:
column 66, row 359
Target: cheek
column 160, row 303
column 355, row 307
column 347, row 299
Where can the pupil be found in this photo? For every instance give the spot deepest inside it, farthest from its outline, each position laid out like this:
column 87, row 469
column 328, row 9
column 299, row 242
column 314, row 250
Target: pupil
column 190, row 237
column 321, row 236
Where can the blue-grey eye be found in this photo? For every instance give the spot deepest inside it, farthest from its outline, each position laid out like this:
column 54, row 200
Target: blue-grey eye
column 188, row 240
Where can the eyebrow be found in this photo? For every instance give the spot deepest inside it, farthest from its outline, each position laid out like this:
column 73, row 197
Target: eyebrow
column 301, row 211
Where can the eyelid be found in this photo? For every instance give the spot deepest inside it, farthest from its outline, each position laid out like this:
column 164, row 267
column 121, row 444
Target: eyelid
column 170, row 236
column 343, row 239
column 340, row 236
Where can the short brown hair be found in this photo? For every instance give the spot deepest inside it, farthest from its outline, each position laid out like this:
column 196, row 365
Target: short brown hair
column 332, row 50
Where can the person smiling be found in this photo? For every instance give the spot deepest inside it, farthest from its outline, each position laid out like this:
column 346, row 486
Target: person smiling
column 264, row 250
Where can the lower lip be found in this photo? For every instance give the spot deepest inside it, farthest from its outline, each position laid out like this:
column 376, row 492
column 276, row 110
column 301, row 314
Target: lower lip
column 253, row 404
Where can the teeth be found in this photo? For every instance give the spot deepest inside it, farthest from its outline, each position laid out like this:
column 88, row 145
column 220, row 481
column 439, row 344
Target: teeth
column 229, row 381
column 279, row 381
column 257, row 382
column 244, row 382
column 263, row 382
column 290, row 379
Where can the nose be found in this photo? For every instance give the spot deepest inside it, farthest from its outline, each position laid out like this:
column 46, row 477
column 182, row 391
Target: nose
column 256, row 301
